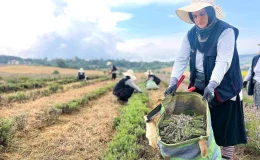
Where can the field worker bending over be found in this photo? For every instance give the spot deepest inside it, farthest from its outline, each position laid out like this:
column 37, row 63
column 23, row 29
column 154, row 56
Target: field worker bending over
column 150, row 75
column 253, row 76
column 113, row 69
column 152, row 82
column 211, row 51
column 81, row 74
column 126, row 86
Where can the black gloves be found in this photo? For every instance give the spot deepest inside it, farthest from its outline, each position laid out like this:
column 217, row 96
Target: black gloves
column 209, row 91
column 244, row 84
column 171, row 90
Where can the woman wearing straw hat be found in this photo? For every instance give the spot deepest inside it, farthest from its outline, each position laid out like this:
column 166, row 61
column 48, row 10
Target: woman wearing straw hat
column 253, row 76
column 81, row 74
column 210, row 48
column 126, row 86
column 152, row 77
column 113, row 69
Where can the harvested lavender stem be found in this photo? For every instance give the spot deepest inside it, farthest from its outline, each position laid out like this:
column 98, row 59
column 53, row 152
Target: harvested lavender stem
column 178, row 128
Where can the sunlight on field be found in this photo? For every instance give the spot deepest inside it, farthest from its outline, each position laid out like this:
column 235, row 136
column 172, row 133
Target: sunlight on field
column 23, row 69
column 168, row 69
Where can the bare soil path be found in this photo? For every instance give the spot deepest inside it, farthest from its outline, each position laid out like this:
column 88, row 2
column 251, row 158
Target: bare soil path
column 34, row 106
column 82, row 135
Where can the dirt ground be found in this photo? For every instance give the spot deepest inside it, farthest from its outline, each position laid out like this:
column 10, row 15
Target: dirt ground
column 26, row 91
column 80, row 136
column 24, row 69
column 31, row 107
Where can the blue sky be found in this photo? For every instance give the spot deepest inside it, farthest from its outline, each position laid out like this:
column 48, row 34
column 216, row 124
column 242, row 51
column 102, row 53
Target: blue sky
column 137, row 30
column 153, row 19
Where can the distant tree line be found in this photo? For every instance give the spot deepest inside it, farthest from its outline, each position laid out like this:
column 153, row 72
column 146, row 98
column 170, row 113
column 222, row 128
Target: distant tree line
column 99, row 64
column 96, row 64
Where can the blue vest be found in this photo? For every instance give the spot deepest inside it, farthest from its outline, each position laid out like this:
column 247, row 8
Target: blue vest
column 251, row 84
column 231, row 84
column 114, row 68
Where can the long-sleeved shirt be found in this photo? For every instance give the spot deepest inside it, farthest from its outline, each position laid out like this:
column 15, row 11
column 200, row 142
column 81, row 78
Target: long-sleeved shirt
column 257, row 73
column 131, row 83
column 225, row 51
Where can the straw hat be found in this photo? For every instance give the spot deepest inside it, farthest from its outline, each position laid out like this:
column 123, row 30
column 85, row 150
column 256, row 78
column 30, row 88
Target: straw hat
column 196, row 5
column 109, row 63
column 81, row 70
column 148, row 72
column 130, row 73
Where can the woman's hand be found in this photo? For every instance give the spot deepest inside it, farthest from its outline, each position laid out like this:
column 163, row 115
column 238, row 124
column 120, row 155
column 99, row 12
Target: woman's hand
column 172, row 87
column 209, row 91
column 170, row 90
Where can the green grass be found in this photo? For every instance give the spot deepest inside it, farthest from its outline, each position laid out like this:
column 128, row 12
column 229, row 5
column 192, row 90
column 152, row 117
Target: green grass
column 5, row 131
column 130, row 128
column 252, row 123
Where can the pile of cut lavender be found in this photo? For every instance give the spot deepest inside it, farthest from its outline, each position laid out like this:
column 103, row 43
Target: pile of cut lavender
column 179, row 128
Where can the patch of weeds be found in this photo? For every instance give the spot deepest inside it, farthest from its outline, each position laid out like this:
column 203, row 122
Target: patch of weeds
column 130, row 128
column 55, row 87
column 6, row 131
column 20, row 122
column 47, row 116
column 55, row 72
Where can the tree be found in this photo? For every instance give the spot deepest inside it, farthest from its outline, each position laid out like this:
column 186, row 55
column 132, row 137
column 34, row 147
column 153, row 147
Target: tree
column 61, row 63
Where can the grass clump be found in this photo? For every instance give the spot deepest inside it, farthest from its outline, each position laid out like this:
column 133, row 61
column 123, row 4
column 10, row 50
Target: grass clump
column 55, row 72
column 20, row 122
column 47, row 116
column 252, row 123
column 55, row 87
column 19, row 96
column 5, row 131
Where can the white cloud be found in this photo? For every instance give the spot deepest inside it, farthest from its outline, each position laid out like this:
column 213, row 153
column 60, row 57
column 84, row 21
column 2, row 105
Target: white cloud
column 62, row 45
column 95, row 12
column 162, row 48
column 118, row 3
column 24, row 24
column 23, row 21
column 248, row 45
column 109, row 22
column 85, row 28
column 166, row 48
column 172, row 16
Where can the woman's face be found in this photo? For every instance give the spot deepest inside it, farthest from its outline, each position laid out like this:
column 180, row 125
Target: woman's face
column 200, row 18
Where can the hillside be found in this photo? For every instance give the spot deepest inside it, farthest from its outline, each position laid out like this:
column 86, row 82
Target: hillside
column 76, row 63
column 246, row 60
